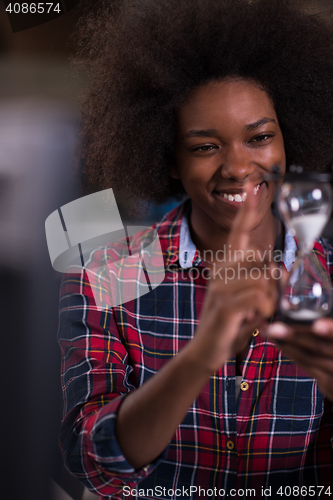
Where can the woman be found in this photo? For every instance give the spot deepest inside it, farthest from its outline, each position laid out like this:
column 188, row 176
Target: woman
column 204, row 97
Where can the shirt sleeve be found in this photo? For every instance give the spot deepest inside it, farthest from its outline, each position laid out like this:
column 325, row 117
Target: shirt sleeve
column 95, row 379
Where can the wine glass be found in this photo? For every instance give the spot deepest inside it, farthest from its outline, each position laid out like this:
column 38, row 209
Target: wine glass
column 305, row 204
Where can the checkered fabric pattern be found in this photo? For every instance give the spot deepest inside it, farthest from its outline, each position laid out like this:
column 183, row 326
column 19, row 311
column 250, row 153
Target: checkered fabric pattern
column 278, row 433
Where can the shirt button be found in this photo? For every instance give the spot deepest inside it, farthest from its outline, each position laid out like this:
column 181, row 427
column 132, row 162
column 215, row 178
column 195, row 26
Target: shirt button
column 146, row 468
column 244, row 386
column 255, row 332
column 230, row 445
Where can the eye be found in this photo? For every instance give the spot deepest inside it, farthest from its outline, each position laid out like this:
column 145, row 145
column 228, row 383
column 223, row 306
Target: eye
column 262, row 138
column 205, row 148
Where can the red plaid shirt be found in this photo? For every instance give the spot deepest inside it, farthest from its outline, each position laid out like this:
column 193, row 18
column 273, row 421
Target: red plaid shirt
column 278, row 434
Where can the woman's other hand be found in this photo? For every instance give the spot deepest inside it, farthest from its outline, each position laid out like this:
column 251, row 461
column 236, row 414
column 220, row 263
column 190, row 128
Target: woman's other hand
column 310, row 346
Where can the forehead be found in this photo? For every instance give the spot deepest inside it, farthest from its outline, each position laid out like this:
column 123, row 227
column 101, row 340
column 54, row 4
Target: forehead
column 240, row 101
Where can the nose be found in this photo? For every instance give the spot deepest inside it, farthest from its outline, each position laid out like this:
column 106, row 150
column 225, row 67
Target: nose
column 237, row 163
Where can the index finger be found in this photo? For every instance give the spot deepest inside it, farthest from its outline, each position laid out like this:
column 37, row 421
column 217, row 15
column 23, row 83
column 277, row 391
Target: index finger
column 239, row 237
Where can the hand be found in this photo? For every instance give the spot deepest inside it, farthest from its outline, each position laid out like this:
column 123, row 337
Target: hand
column 311, row 347
column 234, row 308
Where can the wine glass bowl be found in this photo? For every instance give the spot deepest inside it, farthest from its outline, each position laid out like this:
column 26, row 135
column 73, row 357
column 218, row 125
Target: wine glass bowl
column 305, row 203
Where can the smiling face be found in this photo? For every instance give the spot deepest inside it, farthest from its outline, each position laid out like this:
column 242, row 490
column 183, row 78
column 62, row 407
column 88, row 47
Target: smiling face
column 228, row 134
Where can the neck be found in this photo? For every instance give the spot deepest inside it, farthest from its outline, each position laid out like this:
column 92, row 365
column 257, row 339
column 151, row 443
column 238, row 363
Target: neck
column 212, row 241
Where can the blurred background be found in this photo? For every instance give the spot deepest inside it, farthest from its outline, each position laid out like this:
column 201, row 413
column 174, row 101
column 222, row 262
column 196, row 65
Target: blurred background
column 39, row 121
column 39, row 124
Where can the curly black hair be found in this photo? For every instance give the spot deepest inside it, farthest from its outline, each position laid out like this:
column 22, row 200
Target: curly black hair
column 144, row 57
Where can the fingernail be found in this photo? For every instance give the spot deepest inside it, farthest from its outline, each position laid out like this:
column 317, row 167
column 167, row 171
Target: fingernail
column 277, row 330
column 322, row 327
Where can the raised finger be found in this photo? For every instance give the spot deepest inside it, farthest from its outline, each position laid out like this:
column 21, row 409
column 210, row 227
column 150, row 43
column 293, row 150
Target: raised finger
column 239, row 237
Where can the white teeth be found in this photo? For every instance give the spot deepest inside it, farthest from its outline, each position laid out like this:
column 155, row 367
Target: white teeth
column 239, row 197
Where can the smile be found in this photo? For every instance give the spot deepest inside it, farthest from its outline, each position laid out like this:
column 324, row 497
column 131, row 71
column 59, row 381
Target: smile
column 240, row 197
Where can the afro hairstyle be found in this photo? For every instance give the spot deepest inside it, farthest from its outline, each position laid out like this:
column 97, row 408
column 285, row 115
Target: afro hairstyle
column 144, row 57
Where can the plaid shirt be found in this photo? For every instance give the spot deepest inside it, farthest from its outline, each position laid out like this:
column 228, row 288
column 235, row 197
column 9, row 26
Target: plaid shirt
column 279, row 433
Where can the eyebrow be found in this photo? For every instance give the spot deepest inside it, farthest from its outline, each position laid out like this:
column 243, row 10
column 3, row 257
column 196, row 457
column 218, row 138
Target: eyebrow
column 260, row 122
column 212, row 131
column 200, row 133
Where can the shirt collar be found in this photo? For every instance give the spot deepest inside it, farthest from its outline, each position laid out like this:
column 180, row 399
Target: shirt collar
column 188, row 251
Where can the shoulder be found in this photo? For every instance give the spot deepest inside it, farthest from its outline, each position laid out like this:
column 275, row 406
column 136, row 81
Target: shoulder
column 116, row 273
column 168, row 228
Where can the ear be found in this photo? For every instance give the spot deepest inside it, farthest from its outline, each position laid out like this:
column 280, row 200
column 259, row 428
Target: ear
column 174, row 171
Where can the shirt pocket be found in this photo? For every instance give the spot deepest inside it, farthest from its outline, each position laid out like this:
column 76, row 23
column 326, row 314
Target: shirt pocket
column 295, row 403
